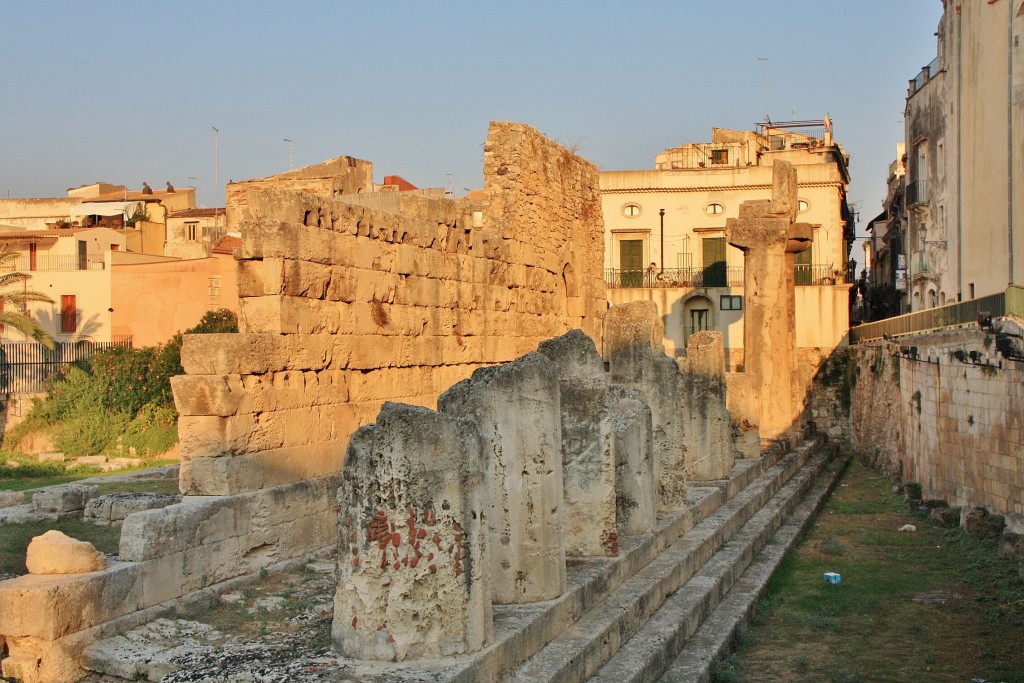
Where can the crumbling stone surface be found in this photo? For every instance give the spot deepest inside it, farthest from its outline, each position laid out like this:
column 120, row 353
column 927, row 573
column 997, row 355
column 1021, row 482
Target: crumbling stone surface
column 635, row 506
column 56, row 553
column 709, row 432
column 1011, row 541
column 516, row 408
column 413, row 579
column 588, row 459
column 113, row 508
column 11, row 498
column 980, row 522
column 68, row 498
column 347, row 302
column 636, row 359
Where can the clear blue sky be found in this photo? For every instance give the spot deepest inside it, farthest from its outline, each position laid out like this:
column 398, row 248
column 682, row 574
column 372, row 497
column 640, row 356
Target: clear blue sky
column 128, row 91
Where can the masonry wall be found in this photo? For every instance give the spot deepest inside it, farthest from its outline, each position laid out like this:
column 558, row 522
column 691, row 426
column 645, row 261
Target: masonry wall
column 954, row 426
column 343, row 307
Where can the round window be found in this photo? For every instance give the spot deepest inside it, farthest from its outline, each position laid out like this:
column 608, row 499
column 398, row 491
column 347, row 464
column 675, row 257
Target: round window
column 801, row 205
column 714, row 208
column 631, row 210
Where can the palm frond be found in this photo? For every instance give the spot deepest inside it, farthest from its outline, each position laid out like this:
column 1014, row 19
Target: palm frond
column 27, row 326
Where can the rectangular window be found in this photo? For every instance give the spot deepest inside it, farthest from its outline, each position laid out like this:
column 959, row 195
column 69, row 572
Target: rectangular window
column 714, row 262
column 720, row 156
column 803, row 273
column 68, row 314
column 192, row 231
column 631, row 263
column 731, row 302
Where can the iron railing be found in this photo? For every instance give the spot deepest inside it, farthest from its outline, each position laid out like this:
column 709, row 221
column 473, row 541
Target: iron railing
column 713, row 276
column 59, row 262
column 25, row 366
column 917, row 193
column 962, row 313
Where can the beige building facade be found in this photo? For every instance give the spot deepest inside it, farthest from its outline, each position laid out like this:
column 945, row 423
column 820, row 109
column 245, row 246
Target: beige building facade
column 665, row 232
column 965, row 158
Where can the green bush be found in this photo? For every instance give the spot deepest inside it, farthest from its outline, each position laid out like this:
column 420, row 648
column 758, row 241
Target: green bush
column 120, row 397
column 89, row 433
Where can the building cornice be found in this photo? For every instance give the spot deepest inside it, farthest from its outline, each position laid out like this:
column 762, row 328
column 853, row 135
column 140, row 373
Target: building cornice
column 711, row 188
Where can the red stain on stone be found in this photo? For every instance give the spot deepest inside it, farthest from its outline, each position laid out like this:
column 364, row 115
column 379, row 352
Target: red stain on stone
column 355, row 621
column 421, row 533
column 457, row 527
column 396, row 539
column 413, row 562
column 355, row 562
column 397, row 565
column 433, row 569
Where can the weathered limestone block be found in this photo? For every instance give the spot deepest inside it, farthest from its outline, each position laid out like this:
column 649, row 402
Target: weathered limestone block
column 68, row 498
column 588, row 468
column 11, row 498
column 635, row 500
column 56, row 553
column 1011, row 541
column 32, row 660
column 709, row 432
column 636, row 359
column 515, row 407
column 207, row 394
column 113, row 508
column 588, row 460
column 413, row 575
column 574, row 354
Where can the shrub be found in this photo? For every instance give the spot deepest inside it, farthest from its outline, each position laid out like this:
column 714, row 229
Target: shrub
column 89, row 433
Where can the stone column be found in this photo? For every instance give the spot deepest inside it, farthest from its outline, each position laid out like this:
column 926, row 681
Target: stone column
column 710, row 430
column 413, row 579
column 635, row 500
column 588, row 461
column 636, row 359
column 515, row 406
column 769, row 238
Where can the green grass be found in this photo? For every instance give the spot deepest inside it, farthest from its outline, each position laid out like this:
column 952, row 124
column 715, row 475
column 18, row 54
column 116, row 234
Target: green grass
column 61, row 476
column 877, row 625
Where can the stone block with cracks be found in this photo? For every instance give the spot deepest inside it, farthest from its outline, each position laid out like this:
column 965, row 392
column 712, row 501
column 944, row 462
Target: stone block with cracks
column 413, row 579
column 516, row 408
column 635, row 503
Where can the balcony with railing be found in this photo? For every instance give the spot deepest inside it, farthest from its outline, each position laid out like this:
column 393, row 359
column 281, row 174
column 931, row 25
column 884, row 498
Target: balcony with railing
column 924, row 76
column 713, row 276
column 26, row 263
column 917, row 193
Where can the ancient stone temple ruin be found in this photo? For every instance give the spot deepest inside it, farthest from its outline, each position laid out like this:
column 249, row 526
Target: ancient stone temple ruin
column 434, row 392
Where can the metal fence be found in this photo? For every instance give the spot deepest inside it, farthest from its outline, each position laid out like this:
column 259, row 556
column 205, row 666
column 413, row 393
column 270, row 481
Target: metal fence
column 25, row 366
column 1009, row 302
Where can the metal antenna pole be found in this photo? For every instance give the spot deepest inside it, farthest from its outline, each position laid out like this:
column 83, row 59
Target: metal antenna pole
column 216, row 159
column 767, row 118
column 290, row 152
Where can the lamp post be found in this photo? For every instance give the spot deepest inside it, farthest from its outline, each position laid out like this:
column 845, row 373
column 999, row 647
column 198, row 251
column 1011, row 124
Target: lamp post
column 290, row 152
column 661, row 254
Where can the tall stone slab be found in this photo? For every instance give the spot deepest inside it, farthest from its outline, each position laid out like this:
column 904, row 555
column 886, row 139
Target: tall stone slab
column 711, row 450
column 588, row 458
column 636, row 359
column 515, row 407
column 413, row 579
column 770, row 238
column 635, row 498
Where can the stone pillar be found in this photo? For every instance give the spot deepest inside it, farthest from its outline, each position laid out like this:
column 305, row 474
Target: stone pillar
column 636, row 359
column 413, row 579
column 515, row 406
column 588, row 461
column 769, row 238
column 710, row 447
column 635, row 509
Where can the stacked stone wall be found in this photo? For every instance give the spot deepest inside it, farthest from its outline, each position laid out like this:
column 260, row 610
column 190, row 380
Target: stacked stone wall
column 953, row 423
column 343, row 307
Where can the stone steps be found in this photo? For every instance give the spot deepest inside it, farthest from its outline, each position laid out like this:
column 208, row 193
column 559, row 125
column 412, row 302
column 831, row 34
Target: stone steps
column 610, row 599
column 698, row 624
column 703, row 562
